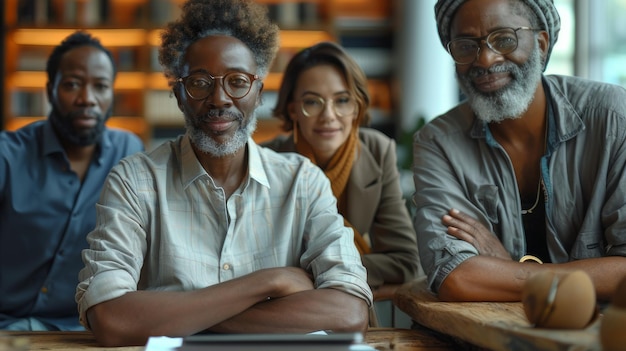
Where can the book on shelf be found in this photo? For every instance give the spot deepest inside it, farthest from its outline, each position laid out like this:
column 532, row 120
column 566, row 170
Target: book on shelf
column 72, row 12
column 160, row 107
column 29, row 103
column 289, row 15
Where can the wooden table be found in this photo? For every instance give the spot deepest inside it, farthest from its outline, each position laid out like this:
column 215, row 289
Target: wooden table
column 382, row 339
column 490, row 325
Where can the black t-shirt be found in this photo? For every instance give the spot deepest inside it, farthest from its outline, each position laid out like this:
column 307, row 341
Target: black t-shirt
column 535, row 229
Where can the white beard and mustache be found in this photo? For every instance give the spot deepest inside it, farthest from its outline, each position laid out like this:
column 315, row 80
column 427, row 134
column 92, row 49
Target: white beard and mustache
column 207, row 144
column 511, row 101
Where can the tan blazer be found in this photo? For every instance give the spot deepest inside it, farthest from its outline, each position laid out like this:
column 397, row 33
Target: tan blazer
column 377, row 209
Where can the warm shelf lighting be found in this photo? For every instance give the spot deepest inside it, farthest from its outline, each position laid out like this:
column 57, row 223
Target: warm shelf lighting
column 272, row 81
column 302, row 39
column 154, row 37
column 288, row 38
column 157, row 81
column 52, row 37
column 130, row 80
column 134, row 124
column 36, row 79
column 28, row 79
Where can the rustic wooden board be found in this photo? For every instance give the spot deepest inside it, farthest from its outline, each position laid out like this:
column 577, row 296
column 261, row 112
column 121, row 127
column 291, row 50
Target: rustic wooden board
column 383, row 339
column 495, row 326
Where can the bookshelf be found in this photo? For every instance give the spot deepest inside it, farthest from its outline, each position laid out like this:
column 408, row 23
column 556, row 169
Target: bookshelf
column 131, row 30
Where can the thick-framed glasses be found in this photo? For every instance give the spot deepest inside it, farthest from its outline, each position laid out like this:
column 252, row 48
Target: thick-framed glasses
column 236, row 84
column 502, row 41
column 313, row 106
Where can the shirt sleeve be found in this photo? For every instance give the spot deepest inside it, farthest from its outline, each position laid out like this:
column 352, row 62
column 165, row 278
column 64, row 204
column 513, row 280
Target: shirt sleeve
column 330, row 252
column 614, row 209
column 438, row 188
column 117, row 245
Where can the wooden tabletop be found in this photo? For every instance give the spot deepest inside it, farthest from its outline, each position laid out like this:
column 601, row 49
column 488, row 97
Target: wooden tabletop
column 383, row 339
column 490, row 325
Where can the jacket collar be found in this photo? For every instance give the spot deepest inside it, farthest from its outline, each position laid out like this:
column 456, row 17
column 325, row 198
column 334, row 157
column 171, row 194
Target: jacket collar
column 561, row 114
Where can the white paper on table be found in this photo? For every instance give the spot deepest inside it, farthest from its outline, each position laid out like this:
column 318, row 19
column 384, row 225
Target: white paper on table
column 164, row 343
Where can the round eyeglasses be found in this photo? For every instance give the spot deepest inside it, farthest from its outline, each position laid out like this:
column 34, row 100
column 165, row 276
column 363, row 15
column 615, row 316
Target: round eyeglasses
column 236, row 84
column 313, row 106
column 502, row 41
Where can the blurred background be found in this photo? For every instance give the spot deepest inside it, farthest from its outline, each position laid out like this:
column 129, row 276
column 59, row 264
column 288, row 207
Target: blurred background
column 395, row 42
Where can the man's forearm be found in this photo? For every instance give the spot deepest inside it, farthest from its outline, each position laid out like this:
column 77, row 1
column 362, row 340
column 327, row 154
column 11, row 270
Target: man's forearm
column 482, row 278
column 135, row 316
column 303, row 312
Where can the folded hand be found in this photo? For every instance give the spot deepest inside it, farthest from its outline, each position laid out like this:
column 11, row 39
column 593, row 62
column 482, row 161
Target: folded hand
column 466, row 228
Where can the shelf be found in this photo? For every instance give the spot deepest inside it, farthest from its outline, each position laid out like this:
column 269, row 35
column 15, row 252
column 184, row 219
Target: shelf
column 36, row 80
column 370, row 9
column 139, row 37
column 124, row 80
column 129, row 123
column 52, row 37
column 131, row 30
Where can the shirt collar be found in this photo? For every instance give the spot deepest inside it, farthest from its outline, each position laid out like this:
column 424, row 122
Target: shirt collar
column 256, row 165
column 191, row 168
column 566, row 119
column 563, row 120
column 51, row 143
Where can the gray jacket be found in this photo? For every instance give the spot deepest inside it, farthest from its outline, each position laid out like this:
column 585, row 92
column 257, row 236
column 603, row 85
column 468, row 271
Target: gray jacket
column 458, row 164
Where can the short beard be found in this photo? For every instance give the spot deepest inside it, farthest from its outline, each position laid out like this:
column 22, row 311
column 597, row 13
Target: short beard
column 66, row 132
column 511, row 101
column 207, row 144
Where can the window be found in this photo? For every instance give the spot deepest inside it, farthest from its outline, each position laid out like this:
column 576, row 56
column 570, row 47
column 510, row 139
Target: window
column 562, row 60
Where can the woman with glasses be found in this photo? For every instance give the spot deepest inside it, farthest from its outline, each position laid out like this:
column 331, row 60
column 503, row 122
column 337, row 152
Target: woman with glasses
column 323, row 101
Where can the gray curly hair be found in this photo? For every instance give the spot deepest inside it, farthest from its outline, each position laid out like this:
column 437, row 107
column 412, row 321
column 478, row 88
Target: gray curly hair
column 242, row 19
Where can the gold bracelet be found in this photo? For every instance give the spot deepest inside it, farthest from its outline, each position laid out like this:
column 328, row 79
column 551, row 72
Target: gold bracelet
column 531, row 258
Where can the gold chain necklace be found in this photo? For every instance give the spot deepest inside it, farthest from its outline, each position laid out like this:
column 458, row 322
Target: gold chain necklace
column 540, row 183
column 530, row 210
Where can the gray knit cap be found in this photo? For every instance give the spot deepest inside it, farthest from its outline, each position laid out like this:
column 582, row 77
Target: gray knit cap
column 545, row 11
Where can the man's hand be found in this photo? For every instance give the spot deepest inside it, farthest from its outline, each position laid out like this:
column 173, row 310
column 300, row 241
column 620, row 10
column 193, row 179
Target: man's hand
column 290, row 280
column 466, row 228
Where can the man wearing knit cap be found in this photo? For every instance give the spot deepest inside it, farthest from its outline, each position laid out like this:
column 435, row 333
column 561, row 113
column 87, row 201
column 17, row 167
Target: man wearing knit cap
column 527, row 174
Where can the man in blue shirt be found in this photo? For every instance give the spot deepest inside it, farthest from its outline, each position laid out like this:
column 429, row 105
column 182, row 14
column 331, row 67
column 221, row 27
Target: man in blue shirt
column 51, row 175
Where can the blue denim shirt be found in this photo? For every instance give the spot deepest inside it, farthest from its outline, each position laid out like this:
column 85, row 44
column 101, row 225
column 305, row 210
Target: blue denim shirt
column 45, row 215
column 458, row 164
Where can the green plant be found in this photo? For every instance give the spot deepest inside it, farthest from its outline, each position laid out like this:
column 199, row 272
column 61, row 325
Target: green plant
column 405, row 144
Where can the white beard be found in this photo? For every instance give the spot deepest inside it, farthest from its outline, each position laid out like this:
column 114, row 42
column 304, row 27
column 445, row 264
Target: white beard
column 207, row 144
column 511, row 101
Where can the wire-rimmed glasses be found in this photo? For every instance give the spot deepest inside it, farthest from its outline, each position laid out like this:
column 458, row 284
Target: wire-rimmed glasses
column 502, row 41
column 200, row 85
column 313, row 105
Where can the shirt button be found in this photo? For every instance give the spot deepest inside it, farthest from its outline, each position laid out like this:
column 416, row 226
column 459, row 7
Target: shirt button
column 44, row 290
column 226, row 266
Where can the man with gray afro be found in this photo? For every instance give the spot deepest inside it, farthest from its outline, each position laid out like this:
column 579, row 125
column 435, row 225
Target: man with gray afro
column 529, row 172
column 211, row 232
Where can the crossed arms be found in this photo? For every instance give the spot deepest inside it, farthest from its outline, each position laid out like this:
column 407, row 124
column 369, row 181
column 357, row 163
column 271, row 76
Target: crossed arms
column 494, row 276
column 238, row 305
